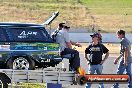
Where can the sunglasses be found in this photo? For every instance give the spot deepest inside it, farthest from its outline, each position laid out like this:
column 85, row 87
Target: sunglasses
column 94, row 37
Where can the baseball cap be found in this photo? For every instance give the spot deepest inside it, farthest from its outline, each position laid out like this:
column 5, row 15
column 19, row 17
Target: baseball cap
column 66, row 27
column 99, row 30
column 95, row 35
column 61, row 24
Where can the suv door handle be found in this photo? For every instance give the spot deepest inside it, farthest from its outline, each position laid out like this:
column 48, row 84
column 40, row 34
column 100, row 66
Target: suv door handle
column 6, row 43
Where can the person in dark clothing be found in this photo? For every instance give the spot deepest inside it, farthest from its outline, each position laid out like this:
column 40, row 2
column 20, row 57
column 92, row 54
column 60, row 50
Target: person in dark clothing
column 95, row 52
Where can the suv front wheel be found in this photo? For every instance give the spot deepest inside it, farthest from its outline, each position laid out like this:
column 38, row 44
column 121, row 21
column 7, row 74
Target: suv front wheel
column 21, row 63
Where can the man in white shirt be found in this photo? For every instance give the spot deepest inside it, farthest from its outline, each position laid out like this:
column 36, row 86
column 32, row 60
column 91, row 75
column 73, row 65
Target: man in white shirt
column 66, row 48
column 54, row 34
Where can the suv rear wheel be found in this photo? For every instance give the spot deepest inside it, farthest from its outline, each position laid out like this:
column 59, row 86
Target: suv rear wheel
column 21, row 63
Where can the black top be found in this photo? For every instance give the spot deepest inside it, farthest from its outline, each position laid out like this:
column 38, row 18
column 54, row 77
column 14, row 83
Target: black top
column 95, row 53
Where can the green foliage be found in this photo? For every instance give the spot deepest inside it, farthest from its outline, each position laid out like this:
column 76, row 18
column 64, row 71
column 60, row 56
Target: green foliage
column 109, row 6
column 108, row 3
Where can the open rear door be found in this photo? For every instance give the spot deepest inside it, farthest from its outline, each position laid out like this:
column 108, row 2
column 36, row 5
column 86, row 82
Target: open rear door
column 51, row 18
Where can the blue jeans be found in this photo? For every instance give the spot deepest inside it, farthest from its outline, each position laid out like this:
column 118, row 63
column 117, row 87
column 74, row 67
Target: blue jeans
column 98, row 68
column 121, row 69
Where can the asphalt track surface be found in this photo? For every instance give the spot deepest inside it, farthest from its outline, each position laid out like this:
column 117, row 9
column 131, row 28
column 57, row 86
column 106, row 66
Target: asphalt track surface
column 108, row 68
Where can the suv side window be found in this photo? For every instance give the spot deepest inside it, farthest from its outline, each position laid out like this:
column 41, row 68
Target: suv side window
column 27, row 34
column 2, row 35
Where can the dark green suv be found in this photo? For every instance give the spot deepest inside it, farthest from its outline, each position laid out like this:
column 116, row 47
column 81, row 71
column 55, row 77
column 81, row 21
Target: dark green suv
column 26, row 46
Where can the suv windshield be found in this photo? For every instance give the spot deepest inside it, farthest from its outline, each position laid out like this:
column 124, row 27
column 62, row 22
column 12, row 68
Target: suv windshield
column 24, row 34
